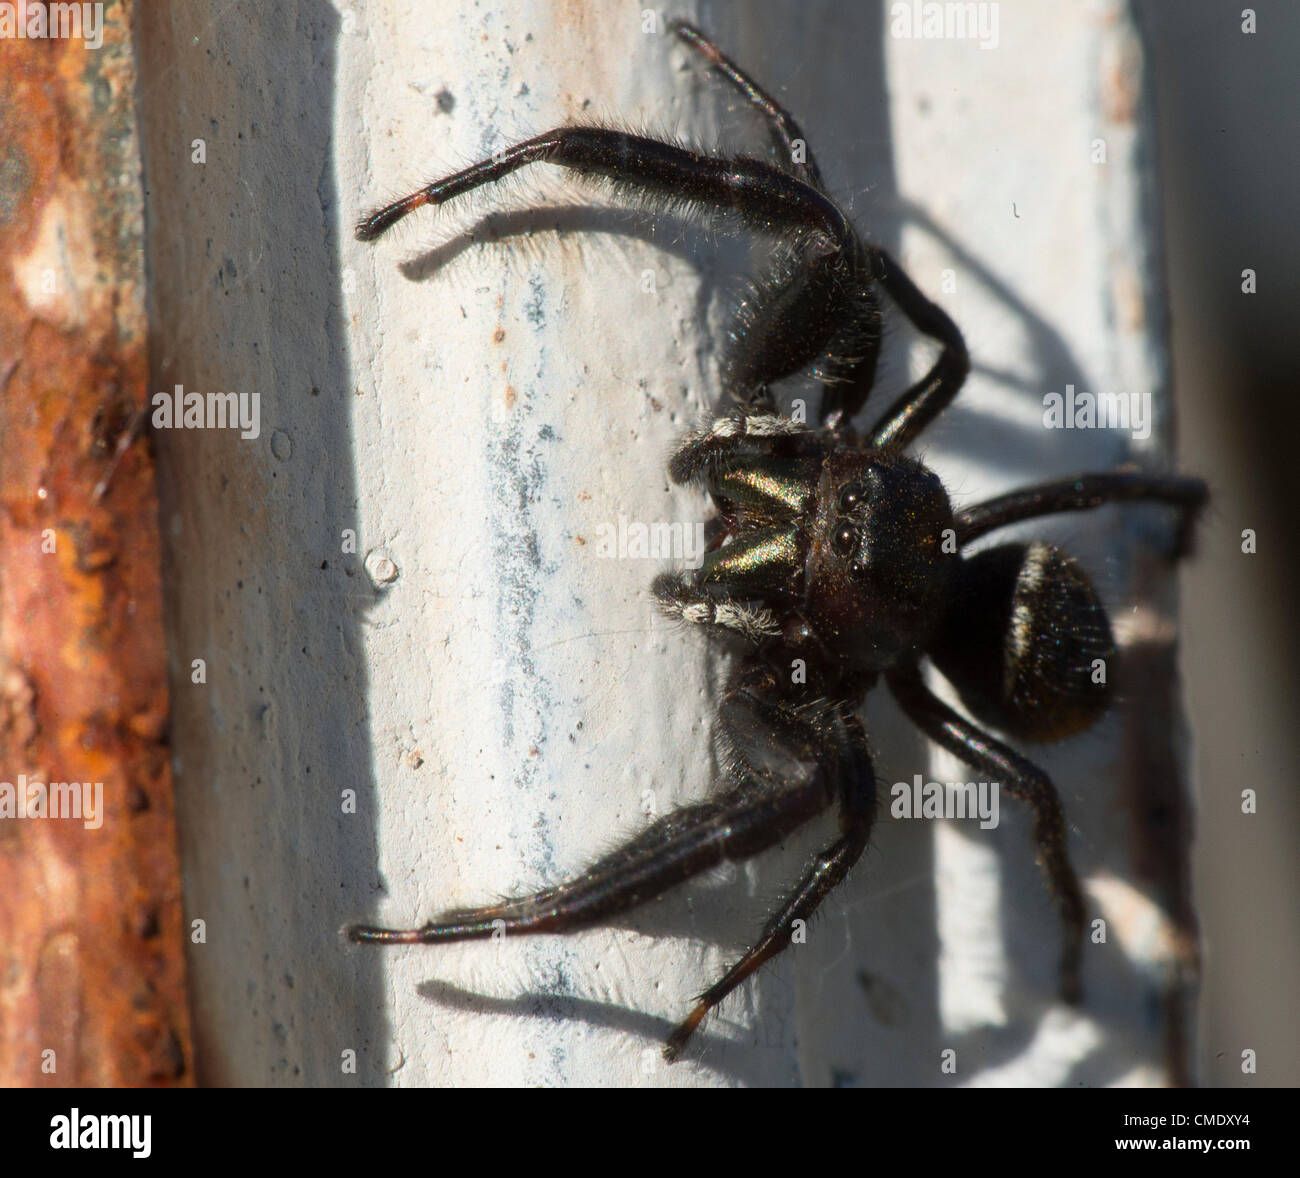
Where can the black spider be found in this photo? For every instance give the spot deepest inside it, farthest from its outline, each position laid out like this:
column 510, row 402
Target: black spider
column 839, row 559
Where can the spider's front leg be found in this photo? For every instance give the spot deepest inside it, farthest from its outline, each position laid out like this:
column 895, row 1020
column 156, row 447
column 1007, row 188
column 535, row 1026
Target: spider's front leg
column 794, row 309
column 784, row 765
column 761, row 196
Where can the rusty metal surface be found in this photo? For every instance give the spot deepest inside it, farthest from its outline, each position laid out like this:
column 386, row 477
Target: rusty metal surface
column 92, row 983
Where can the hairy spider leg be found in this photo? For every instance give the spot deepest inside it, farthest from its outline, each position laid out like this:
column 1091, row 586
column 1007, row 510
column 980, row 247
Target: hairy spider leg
column 668, row 852
column 840, row 730
column 848, row 353
column 818, row 293
column 1083, row 493
column 919, row 405
column 784, row 130
column 761, row 195
column 790, row 762
column 825, row 874
column 1023, row 780
column 777, row 782
column 811, row 289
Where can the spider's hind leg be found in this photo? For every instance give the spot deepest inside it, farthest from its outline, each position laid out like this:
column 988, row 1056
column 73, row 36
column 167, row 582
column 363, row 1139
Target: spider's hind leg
column 835, row 740
column 775, row 783
column 1083, row 493
column 1022, row 779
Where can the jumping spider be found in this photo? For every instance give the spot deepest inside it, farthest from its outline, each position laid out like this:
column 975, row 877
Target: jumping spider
column 837, row 553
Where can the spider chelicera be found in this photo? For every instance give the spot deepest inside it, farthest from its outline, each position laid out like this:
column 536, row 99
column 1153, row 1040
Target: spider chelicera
column 838, row 560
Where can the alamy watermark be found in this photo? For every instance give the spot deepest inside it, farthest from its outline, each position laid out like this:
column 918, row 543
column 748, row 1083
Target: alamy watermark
column 953, row 799
column 1082, row 410
column 53, row 22
column 926, row 20
column 78, row 1130
column 181, row 410
column 79, row 800
column 632, row 540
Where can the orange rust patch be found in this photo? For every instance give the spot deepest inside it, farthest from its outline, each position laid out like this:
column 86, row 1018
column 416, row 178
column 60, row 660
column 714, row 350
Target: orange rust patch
column 90, row 909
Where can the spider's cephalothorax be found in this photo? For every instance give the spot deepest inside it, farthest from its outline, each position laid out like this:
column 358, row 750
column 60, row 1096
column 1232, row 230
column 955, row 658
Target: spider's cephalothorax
column 836, row 553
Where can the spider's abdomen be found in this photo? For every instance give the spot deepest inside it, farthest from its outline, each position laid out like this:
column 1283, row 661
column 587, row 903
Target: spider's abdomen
column 1037, row 662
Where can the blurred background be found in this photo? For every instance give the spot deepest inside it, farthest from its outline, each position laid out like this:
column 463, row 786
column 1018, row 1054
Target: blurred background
column 1228, row 130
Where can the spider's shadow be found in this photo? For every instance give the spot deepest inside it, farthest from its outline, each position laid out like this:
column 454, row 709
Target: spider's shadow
column 537, row 230
column 969, row 430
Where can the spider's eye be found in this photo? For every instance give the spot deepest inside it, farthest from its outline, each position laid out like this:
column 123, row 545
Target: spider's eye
column 850, row 498
column 845, row 539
